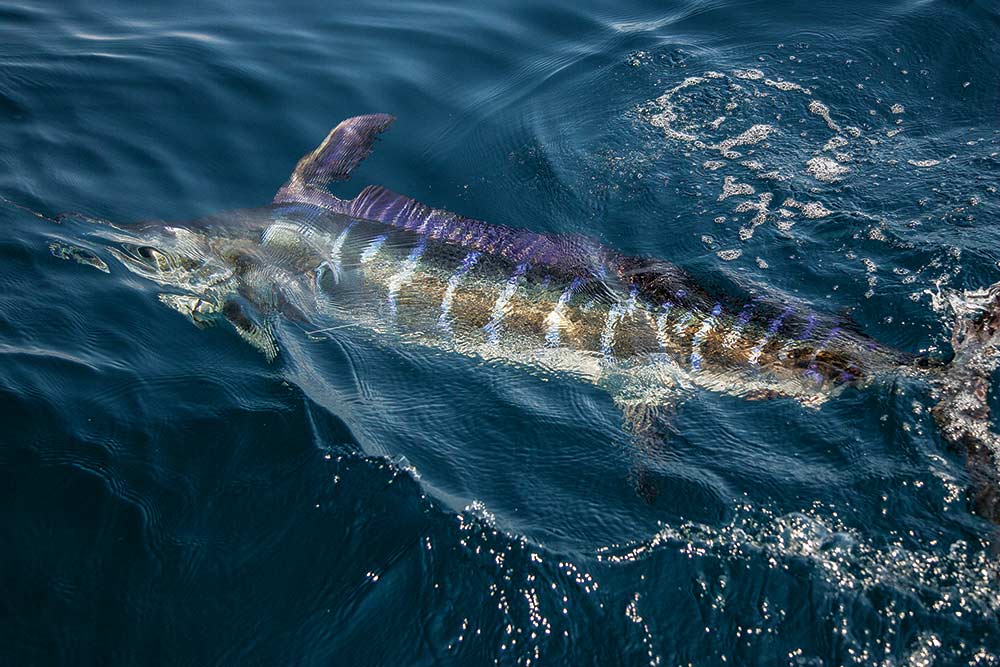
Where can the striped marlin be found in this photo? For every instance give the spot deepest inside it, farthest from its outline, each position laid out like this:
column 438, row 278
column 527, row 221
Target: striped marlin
column 641, row 328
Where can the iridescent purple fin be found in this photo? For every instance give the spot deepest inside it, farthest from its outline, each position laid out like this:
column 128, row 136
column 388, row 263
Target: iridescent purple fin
column 571, row 254
column 333, row 160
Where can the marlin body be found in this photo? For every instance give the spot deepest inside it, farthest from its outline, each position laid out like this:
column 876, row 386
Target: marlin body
column 407, row 273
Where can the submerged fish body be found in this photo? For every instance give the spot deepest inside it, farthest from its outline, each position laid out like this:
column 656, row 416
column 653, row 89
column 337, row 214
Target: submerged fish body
column 418, row 275
column 583, row 309
column 640, row 328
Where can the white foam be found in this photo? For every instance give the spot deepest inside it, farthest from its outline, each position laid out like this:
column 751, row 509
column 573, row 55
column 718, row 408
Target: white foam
column 786, row 86
column 818, row 108
column 730, row 188
column 761, row 206
column 813, row 209
column 826, row 170
column 667, row 115
column 753, row 135
column 835, row 142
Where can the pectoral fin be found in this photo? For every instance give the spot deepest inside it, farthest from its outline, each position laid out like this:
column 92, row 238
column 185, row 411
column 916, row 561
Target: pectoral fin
column 259, row 335
column 650, row 427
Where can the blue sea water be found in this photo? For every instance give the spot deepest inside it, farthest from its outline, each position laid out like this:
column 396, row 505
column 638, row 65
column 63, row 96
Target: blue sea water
column 167, row 496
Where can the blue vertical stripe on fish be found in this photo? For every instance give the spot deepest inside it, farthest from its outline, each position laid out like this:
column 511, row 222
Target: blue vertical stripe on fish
column 701, row 334
column 372, row 248
column 615, row 314
column 682, row 322
column 333, row 259
column 494, row 326
column 733, row 337
column 812, row 369
column 444, row 320
column 809, row 328
column 555, row 319
column 631, row 303
column 405, row 274
column 772, row 329
column 661, row 324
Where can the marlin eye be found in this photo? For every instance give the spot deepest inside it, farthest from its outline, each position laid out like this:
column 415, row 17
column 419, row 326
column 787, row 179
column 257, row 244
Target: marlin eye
column 147, row 252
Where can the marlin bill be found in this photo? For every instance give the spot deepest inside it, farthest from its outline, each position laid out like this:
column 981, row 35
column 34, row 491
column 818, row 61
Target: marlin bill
column 639, row 327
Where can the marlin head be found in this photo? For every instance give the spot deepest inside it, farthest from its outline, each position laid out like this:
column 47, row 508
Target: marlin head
column 209, row 269
column 175, row 257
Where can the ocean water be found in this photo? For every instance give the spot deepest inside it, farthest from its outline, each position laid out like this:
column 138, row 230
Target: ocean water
column 168, row 496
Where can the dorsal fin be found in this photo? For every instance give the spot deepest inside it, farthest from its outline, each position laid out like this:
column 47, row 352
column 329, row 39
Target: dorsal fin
column 333, row 160
column 574, row 255
column 376, row 202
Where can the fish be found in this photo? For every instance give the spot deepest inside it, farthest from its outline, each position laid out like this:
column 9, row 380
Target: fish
column 641, row 328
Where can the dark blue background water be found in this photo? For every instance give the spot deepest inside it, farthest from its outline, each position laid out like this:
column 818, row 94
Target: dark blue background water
column 167, row 496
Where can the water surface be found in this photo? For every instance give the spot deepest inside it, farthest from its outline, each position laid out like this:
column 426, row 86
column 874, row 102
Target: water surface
column 169, row 496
